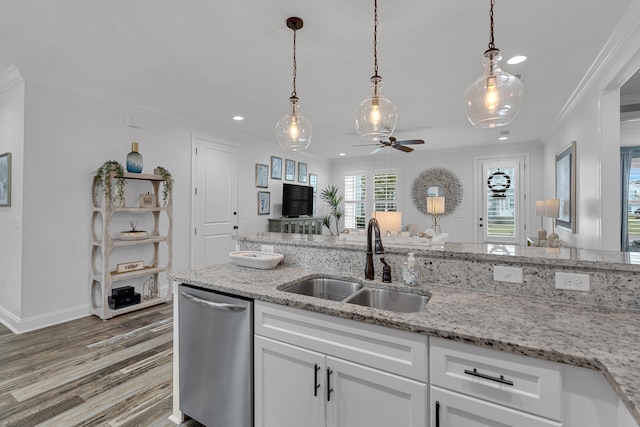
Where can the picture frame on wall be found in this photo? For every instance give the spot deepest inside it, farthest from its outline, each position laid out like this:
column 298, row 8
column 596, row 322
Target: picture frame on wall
column 302, row 172
column 276, row 167
column 566, row 187
column 313, row 182
column 262, row 175
column 264, row 203
column 5, row 179
column 290, row 170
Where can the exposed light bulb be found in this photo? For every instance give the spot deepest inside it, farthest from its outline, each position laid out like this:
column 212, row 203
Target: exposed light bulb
column 375, row 113
column 491, row 97
column 294, row 132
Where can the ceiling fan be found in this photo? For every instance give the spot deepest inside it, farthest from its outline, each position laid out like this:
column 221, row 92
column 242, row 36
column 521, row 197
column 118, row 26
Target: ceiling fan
column 393, row 143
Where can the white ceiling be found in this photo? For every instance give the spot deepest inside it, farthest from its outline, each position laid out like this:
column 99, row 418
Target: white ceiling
column 207, row 60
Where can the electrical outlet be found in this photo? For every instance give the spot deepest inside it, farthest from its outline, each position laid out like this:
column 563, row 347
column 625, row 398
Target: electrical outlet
column 573, row 282
column 507, row 274
column 267, row 248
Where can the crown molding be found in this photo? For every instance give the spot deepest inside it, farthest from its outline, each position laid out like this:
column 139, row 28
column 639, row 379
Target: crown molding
column 10, row 78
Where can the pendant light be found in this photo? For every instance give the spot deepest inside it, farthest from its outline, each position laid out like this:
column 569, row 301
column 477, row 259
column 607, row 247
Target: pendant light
column 376, row 116
column 495, row 98
column 293, row 131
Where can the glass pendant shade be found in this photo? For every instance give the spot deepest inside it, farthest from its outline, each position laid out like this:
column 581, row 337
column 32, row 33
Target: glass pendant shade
column 376, row 117
column 293, row 131
column 495, row 98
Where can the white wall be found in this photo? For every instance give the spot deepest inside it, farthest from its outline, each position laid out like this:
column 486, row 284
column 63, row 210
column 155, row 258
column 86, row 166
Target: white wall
column 11, row 140
column 593, row 120
column 67, row 136
column 461, row 224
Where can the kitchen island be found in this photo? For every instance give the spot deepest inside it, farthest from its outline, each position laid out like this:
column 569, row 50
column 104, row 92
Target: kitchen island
column 601, row 339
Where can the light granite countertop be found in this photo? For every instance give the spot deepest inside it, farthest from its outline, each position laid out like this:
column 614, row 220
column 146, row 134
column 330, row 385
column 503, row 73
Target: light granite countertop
column 604, row 340
column 565, row 257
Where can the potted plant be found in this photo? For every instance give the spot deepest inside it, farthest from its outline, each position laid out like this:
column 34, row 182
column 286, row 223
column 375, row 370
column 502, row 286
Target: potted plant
column 330, row 196
column 167, row 186
column 103, row 180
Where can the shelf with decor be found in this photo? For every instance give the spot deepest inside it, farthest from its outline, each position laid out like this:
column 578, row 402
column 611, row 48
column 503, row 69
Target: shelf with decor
column 119, row 285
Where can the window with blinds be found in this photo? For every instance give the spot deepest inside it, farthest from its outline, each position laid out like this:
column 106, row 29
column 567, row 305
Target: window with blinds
column 501, row 205
column 633, row 207
column 355, row 201
column 385, row 192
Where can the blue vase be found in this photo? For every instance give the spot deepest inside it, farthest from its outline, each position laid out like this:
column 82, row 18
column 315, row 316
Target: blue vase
column 134, row 159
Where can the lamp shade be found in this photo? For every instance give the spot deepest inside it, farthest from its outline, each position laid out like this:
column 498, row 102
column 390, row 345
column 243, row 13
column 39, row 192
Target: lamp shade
column 435, row 205
column 540, row 207
column 552, row 208
column 389, row 221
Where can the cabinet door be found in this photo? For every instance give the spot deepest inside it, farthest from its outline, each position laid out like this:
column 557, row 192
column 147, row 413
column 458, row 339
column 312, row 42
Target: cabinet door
column 367, row 397
column 450, row 409
column 289, row 385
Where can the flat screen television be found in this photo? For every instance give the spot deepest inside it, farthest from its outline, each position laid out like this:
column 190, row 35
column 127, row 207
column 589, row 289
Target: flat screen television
column 297, row 200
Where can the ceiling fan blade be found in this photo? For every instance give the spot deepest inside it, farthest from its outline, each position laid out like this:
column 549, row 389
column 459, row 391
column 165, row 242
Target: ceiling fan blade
column 365, row 145
column 411, row 141
column 402, row 148
column 377, row 149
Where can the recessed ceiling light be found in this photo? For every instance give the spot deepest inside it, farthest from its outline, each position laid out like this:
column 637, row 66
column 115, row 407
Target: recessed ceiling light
column 342, row 154
column 238, row 118
column 517, row 59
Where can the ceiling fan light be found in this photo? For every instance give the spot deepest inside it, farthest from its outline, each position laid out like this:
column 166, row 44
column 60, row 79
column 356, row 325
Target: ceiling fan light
column 376, row 117
column 495, row 98
column 293, row 131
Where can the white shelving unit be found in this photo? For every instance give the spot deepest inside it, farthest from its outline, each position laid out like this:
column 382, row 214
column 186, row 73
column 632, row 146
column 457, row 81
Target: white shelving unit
column 105, row 245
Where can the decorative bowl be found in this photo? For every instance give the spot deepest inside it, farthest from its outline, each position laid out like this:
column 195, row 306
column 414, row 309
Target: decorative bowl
column 256, row 259
column 133, row 235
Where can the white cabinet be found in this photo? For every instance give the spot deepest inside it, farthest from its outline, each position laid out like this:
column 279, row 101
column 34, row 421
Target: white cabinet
column 311, row 378
column 451, row 409
column 154, row 252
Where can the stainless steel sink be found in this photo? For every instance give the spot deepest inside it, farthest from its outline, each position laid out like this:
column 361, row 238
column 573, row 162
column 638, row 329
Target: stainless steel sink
column 386, row 299
column 332, row 289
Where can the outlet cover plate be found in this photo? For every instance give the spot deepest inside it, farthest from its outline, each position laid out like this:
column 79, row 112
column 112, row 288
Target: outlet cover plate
column 507, row 274
column 573, row 282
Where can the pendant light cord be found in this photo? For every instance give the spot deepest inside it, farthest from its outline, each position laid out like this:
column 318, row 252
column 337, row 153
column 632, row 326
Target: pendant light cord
column 295, row 65
column 491, row 44
column 375, row 38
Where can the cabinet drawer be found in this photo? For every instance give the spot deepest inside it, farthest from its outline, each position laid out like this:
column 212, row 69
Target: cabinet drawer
column 516, row 381
column 387, row 349
column 457, row 410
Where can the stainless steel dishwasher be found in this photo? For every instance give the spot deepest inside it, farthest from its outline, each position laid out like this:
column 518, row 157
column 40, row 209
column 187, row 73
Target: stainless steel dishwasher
column 215, row 357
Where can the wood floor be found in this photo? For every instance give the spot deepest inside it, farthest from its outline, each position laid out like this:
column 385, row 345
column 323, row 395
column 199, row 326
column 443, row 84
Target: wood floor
column 90, row 373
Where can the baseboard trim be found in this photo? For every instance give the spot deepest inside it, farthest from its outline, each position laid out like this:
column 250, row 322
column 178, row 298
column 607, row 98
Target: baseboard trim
column 20, row 326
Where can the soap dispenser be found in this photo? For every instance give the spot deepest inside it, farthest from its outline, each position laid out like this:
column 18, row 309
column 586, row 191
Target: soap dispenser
column 409, row 271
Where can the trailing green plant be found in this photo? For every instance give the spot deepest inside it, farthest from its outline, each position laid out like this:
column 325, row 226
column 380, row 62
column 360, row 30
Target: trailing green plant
column 103, row 180
column 167, row 186
column 330, row 196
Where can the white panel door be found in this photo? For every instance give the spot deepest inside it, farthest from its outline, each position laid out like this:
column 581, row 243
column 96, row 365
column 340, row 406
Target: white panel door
column 215, row 201
column 289, row 385
column 367, row 397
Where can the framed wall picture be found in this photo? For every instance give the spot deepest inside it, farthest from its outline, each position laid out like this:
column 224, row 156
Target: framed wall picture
column 302, row 172
column 262, row 175
column 566, row 187
column 264, row 203
column 5, row 179
column 313, row 182
column 289, row 170
column 276, row 167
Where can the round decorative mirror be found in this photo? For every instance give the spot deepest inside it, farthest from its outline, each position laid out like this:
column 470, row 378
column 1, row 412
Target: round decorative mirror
column 437, row 182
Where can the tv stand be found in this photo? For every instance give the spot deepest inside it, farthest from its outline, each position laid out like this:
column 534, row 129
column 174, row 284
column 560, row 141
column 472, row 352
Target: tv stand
column 299, row 225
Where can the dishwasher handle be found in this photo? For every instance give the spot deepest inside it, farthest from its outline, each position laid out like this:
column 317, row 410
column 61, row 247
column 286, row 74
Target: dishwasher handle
column 215, row 305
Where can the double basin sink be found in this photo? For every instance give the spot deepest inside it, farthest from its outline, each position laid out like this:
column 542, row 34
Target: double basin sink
column 356, row 293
